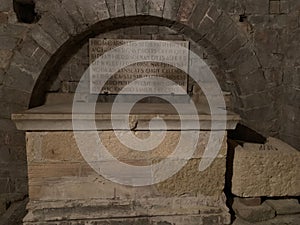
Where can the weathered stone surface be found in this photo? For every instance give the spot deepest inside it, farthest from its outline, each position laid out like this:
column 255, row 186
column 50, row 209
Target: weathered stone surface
column 59, row 13
column 13, row 30
column 44, row 39
column 255, row 7
column 57, row 172
column 93, row 11
column 130, row 8
column 14, row 213
column 250, row 201
column 43, row 152
column 2, row 74
column 8, row 43
column 286, row 220
column 170, row 9
column 156, row 7
column 5, row 56
column 210, row 19
column 198, row 14
column 14, row 95
column 18, row 79
column 239, row 221
column 3, row 17
column 3, row 205
column 185, row 10
column 285, row 206
column 253, row 213
column 266, row 170
column 274, row 7
column 155, row 220
column 49, row 24
column 6, row 5
column 116, row 8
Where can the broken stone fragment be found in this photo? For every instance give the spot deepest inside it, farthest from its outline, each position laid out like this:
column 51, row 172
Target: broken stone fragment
column 270, row 169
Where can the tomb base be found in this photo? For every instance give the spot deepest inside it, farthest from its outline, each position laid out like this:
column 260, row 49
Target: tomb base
column 64, row 189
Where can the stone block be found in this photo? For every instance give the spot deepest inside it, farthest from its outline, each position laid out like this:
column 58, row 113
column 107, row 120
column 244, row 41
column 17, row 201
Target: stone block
column 230, row 42
column 30, row 64
column 49, row 24
column 44, row 39
column 57, row 172
column 222, row 28
column 3, row 204
column 2, row 74
column 13, row 30
column 271, row 169
column 6, row 5
column 253, row 213
column 71, row 9
column 8, row 42
column 156, row 7
column 7, row 108
column 286, row 220
column 149, row 30
column 5, row 56
column 239, row 221
column 209, row 21
column 256, row 100
column 252, row 64
column 185, row 10
column 32, row 56
column 284, row 6
column 274, row 7
column 93, row 11
column 252, row 83
column 62, row 17
column 116, row 8
column 130, row 8
column 240, row 56
column 18, row 79
column 250, row 201
column 285, row 206
column 257, row 7
column 198, row 14
column 142, row 7
column 171, row 9
column 3, row 17
column 14, row 95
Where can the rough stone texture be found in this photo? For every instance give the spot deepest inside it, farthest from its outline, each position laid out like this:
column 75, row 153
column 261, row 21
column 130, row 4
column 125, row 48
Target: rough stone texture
column 274, row 37
column 59, row 175
column 285, row 206
column 15, row 213
column 250, row 201
column 271, row 169
column 286, row 220
column 253, row 213
column 5, row 56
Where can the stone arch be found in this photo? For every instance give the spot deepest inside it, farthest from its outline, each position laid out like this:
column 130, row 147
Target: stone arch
column 66, row 24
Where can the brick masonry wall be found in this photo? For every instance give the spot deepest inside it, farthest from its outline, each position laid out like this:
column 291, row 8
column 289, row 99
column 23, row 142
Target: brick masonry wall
column 258, row 45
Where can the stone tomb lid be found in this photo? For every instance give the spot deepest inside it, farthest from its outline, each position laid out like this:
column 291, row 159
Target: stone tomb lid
column 59, row 117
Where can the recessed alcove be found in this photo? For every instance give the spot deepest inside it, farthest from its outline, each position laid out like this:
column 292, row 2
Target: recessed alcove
column 53, row 130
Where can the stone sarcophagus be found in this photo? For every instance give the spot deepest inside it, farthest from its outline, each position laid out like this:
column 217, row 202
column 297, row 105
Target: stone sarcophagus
column 70, row 185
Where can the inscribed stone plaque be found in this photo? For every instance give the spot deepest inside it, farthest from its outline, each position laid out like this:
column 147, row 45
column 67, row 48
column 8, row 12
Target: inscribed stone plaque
column 149, row 69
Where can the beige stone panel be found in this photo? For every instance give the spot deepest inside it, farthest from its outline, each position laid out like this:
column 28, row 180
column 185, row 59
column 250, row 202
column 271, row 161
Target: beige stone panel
column 57, row 170
column 61, row 146
column 52, row 147
column 71, row 182
column 191, row 182
column 272, row 169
